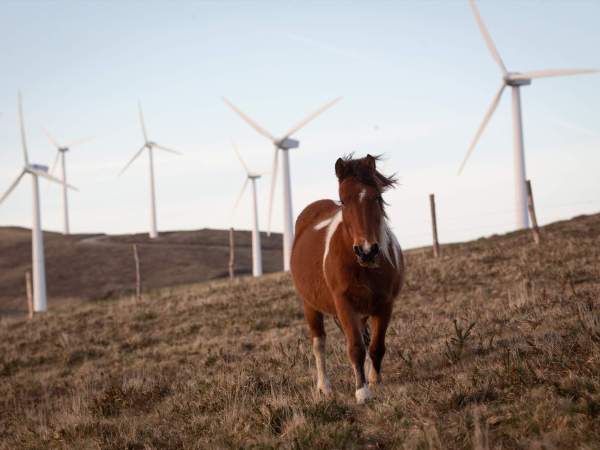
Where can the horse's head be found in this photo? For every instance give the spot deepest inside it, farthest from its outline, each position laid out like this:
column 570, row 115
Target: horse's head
column 360, row 189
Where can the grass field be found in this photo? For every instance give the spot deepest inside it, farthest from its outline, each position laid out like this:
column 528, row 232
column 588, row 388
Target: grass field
column 494, row 346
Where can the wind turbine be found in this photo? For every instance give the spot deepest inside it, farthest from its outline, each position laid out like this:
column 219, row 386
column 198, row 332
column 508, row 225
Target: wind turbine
column 514, row 80
column 61, row 151
column 256, row 250
column 284, row 144
column 37, row 237
column 150, row 146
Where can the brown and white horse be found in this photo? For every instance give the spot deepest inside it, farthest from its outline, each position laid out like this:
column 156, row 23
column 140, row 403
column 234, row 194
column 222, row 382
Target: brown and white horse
column 347, row 263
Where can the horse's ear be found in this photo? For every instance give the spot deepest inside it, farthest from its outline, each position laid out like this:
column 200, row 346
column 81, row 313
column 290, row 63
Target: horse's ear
column 371, row 162
column 340, row 169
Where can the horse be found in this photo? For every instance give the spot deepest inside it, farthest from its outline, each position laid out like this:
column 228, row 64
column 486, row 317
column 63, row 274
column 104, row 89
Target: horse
column 347, row 263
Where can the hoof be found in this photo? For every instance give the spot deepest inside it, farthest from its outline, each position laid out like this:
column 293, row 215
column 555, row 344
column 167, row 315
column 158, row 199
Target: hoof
column 325, row 388
column 363, row 394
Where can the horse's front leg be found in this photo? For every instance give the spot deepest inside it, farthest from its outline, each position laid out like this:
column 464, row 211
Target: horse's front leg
column 352, row 327
column 379, row 324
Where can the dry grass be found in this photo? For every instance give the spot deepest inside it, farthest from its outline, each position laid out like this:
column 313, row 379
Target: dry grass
column 495, row 346
column 83, row 266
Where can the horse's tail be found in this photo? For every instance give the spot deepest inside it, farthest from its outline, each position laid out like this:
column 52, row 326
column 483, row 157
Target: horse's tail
column 366, row 331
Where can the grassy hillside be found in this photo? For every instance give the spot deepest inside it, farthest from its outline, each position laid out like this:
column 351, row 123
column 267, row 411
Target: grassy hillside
column 216, row 365
column 83, row 267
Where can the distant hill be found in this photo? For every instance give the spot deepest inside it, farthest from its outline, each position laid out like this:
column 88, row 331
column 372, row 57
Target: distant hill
column 97, row 266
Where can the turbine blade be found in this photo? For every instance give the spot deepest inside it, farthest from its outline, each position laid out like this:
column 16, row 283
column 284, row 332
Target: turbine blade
column 142, row 121
column 50, row 138
column 78, row 142
column 239, row 156
column 138, row 153
column 550, row 73
column 22, row 127
column 12, row 187
column 55, row 161
column 272, row 193
column 311, row 117
column 484, row 123
column 249, row 121
column 239, row 197
column 51, row 178
column 160, row 147
column 487, row 37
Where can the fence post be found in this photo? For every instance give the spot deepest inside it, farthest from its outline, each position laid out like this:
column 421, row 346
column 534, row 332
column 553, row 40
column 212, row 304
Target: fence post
column 29, row 294
column 531, row 206
column 436, row 244
column 231, row 254
column 138, row 279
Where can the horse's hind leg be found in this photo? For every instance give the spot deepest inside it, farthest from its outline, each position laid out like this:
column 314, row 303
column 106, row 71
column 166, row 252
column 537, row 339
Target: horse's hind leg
column 317, row 330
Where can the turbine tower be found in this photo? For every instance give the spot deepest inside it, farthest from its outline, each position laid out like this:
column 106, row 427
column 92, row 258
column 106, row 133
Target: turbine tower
column 61, row 151
column 514, row 80
column 37, row 236
column 150, row 146
column 251, row 177
column 284, row 144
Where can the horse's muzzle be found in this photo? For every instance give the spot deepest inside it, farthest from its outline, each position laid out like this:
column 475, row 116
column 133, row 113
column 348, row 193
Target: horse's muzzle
column 367, row 258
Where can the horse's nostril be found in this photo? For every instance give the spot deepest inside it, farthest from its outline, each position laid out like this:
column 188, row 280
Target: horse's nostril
column 374, row 249
column 357, row 250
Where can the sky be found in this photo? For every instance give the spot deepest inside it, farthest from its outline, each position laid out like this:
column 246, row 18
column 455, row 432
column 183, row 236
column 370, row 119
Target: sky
column 415, row 77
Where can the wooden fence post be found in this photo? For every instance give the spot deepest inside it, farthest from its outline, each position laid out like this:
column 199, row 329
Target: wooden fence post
column 531, row 206
column 138, row 278
column 29, row 294
column 231, row 254
column 436, row 244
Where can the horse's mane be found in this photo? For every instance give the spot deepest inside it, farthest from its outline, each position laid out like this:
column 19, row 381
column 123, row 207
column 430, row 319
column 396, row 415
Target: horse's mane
column 361, row 170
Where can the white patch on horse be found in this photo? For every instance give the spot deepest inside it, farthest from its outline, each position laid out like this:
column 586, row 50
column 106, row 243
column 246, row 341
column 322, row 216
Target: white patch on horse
column 333, row 225
column 323, row 384
column 362, row 194
column 322, row 224
column 387, row 239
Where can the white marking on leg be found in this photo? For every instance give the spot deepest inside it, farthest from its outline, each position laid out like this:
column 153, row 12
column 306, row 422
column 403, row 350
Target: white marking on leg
column 368, row 365
column 323, row 384
column 333, row 225
column 363, row 394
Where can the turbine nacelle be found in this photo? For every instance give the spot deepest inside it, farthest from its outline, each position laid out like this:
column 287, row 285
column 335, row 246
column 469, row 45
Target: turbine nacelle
column 36, row 167
column 515, row 79
column 287, row 143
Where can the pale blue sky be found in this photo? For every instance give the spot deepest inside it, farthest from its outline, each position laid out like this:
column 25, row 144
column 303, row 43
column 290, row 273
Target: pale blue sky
column 416, row 78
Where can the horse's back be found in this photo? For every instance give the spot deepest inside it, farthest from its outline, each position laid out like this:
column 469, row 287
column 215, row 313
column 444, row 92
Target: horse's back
column 307, row 254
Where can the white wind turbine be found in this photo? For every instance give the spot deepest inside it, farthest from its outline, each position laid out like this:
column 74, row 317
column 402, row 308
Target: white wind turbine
column 515, row 80
column 150, row 146
column 61, row 151
column 37, row 237
column 284, row 144
column 256, row 249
